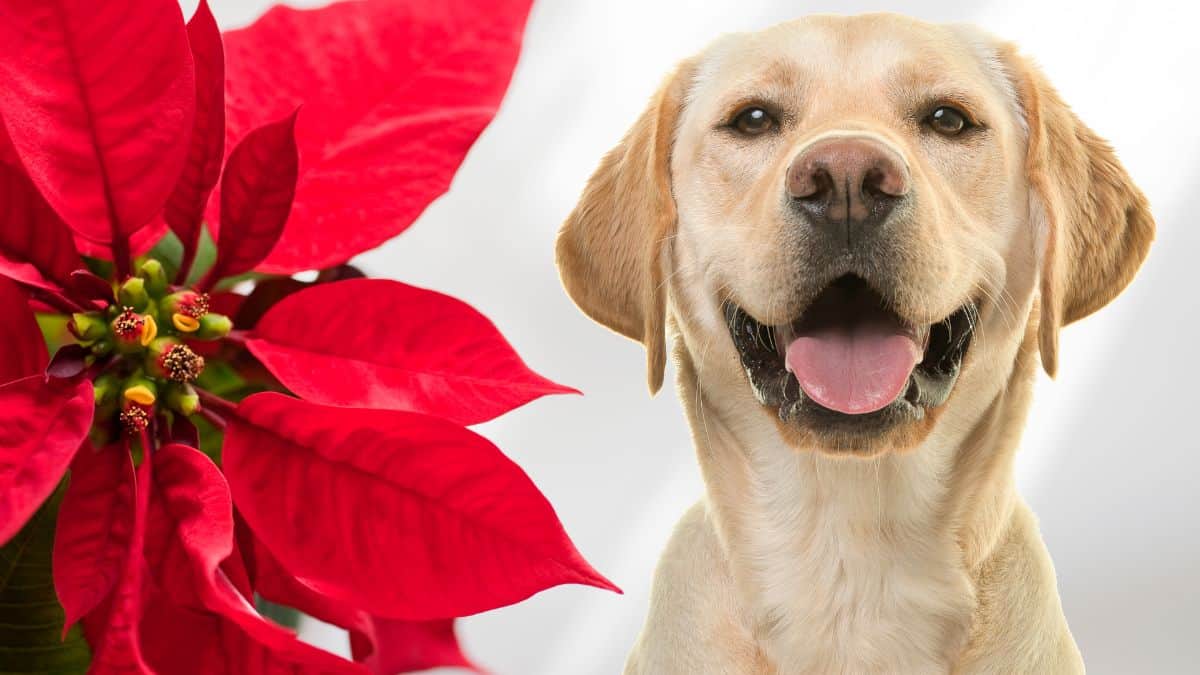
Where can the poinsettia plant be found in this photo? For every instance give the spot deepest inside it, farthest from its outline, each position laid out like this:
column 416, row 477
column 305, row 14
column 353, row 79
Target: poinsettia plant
column 185, row 428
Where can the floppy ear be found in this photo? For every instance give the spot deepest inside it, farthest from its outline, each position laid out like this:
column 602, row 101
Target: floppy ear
column 610, row 250
column 1098, row 223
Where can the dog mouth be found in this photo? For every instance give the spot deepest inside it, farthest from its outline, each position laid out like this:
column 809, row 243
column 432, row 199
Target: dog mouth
column 849, row 363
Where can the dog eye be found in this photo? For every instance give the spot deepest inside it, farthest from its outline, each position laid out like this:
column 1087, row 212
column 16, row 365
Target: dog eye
column 948, row 121
column 753, row 121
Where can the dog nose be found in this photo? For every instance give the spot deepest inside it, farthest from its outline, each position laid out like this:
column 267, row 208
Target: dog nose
column 847, row 185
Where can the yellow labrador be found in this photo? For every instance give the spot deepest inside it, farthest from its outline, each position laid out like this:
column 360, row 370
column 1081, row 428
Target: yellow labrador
column 861, row 233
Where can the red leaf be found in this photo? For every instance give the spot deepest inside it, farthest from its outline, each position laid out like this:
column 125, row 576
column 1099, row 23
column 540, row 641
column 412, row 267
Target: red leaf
column 22, row 348
column 117, row 649
column 69, row 361
column 185, row 207
column 184, row 432
column 407, row 646
column 7, row 154
column 95, row 528
column 226, row 302
column 346, row 497
column 384, row 645
column 190, row 533
column 276, row 584
column 238, row 573
column 36, row 247
column 98, row 99
column 256, row 196
column 371, row 343
column 395, row 93
column 84, row 287
column 191, row 524
column 139, row 242
column 180, row 641
column 268, row 292
column 42, row 423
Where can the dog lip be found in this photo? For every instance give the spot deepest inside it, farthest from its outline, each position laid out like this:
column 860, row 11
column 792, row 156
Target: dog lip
column 761, row 349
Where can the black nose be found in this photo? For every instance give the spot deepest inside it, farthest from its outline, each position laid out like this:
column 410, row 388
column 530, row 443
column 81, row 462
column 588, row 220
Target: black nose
column 847, row 186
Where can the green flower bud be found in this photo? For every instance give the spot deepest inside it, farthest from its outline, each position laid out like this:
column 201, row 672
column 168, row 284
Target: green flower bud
column 213, row 326
column 107, row 392
column 182, row 398
column 156, row 278
column 88, row 326
column 105, row 389
column 158, row 346
column 102, row 347
column 133, row 294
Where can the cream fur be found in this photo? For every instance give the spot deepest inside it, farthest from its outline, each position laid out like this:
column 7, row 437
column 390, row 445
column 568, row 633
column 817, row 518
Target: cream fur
column 918, row 555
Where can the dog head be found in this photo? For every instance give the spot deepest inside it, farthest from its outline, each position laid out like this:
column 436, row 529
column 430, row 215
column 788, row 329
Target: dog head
column 851, row 218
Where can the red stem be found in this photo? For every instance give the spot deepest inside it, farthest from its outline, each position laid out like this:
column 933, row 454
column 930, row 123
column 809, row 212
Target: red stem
column 238, row 336
column 189, row 258
column 56, row 300
column 120, row 249
column 216, row 403
column 213, row 418
column 147, row 444
column 208, row 280
column 185, row 266
column 101, row 367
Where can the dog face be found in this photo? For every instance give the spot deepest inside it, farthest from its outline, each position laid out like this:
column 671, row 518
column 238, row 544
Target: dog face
column 850, row 217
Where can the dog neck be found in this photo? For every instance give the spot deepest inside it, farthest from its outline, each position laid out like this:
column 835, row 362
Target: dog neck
column 859, row 565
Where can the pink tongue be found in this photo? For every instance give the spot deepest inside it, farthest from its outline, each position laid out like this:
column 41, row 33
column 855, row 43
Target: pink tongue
column 853, row 372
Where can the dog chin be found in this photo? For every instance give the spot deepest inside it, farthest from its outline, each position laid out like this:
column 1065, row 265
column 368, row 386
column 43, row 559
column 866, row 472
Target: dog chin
column 848, row 376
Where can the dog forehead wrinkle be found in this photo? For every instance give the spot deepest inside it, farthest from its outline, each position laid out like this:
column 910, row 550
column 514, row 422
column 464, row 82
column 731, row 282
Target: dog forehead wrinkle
column 718, row 87
column 782, row 58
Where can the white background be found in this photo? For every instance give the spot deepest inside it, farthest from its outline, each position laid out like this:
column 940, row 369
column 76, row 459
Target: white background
column 1110, row 457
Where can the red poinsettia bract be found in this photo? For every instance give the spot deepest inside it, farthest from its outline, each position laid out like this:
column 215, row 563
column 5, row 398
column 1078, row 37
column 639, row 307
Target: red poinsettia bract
column 299, row 442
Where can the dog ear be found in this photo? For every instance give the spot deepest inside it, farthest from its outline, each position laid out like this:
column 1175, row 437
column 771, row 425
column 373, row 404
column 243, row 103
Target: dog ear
column 611, row 249
column 1098, row 225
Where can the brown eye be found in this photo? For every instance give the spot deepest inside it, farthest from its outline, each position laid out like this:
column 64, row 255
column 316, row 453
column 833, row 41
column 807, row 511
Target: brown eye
column 753, row 121
column 948, row 121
